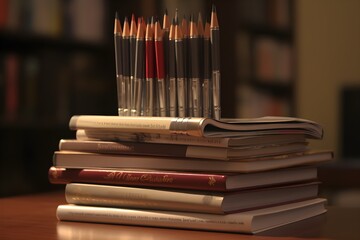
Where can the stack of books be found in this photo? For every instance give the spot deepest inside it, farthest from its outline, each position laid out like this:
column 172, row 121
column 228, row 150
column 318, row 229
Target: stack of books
column 238, row 175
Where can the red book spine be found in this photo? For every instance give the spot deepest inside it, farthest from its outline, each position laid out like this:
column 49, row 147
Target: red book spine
column 172, row 180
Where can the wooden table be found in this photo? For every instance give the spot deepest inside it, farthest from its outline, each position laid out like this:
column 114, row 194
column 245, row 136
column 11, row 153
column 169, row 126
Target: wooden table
column 33, row 217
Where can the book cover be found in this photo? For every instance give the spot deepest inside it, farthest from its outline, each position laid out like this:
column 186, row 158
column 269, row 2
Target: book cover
column 182, row 180
column 245, row 222
column 200, row 127
column 187, row 201
column 68, row 159
column 171, row 150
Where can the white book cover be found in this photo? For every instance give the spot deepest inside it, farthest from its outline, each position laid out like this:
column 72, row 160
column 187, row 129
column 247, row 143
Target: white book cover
column 245, row 222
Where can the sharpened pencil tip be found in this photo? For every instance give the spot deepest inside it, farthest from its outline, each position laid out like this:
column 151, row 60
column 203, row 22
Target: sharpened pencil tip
column 116, row 15
column 213, row 8
column 176, row 16
column 166, row 11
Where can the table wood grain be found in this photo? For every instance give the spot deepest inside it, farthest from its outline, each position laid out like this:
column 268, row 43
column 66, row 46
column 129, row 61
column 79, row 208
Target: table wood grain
column 33, row 217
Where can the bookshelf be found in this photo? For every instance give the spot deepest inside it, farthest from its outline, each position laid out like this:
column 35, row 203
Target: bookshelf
column 264, row 54
column 52, row 66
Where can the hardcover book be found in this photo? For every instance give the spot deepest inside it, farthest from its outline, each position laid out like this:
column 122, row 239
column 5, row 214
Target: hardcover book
column 171, row 150
column 199, row 127
column 183, row 180
column 254, row 221
column 187, row 201
column 69, row 159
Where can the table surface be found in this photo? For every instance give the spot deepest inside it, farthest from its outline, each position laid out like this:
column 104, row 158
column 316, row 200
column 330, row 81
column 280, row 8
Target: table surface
column 33, row 217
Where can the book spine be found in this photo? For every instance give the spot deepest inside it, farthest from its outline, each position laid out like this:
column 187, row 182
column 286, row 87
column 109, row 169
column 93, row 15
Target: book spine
column 144, row 198
column 213, row 222
column 92, row 135
column 139, row 178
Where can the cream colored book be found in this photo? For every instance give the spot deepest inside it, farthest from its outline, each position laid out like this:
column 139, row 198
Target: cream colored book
column 187, row 201
column 199, row 127
column 70, row 159
column 254, row 221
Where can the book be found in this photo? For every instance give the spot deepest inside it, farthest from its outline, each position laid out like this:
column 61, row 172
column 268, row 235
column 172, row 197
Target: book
column 199, row 127
column 171, row 150
column 93, row 135
column 187, row 201
column 254, row 221
column 183, row 180
column 68, row 159
column 306, row 228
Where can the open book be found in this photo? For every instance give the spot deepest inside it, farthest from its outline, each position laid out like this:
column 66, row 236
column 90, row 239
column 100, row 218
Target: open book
column 200, row 127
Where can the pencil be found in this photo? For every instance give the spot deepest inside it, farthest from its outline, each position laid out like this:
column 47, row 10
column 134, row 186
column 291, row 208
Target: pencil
column 118, row 60
column 132, row 45
column 149, row 99
column 195, row 87
column 200, row 28
column 172, row 72
column 139, row 70
column 160, row 69
column 215, row 60
column 166, row 30
column 126, row 93
column 188, row 92
column 152, row 23
column 206, row 89
column 180, row 71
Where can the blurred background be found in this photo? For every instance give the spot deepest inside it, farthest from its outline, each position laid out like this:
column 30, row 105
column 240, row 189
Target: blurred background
column 278, row 57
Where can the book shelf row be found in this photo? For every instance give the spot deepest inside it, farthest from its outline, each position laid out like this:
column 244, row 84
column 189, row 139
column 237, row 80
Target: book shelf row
column 265, row 57
column 56, row 18
column 270, row 14
column 50, row 86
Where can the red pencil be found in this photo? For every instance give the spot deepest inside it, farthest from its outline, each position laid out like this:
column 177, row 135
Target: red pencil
column 160, row 69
